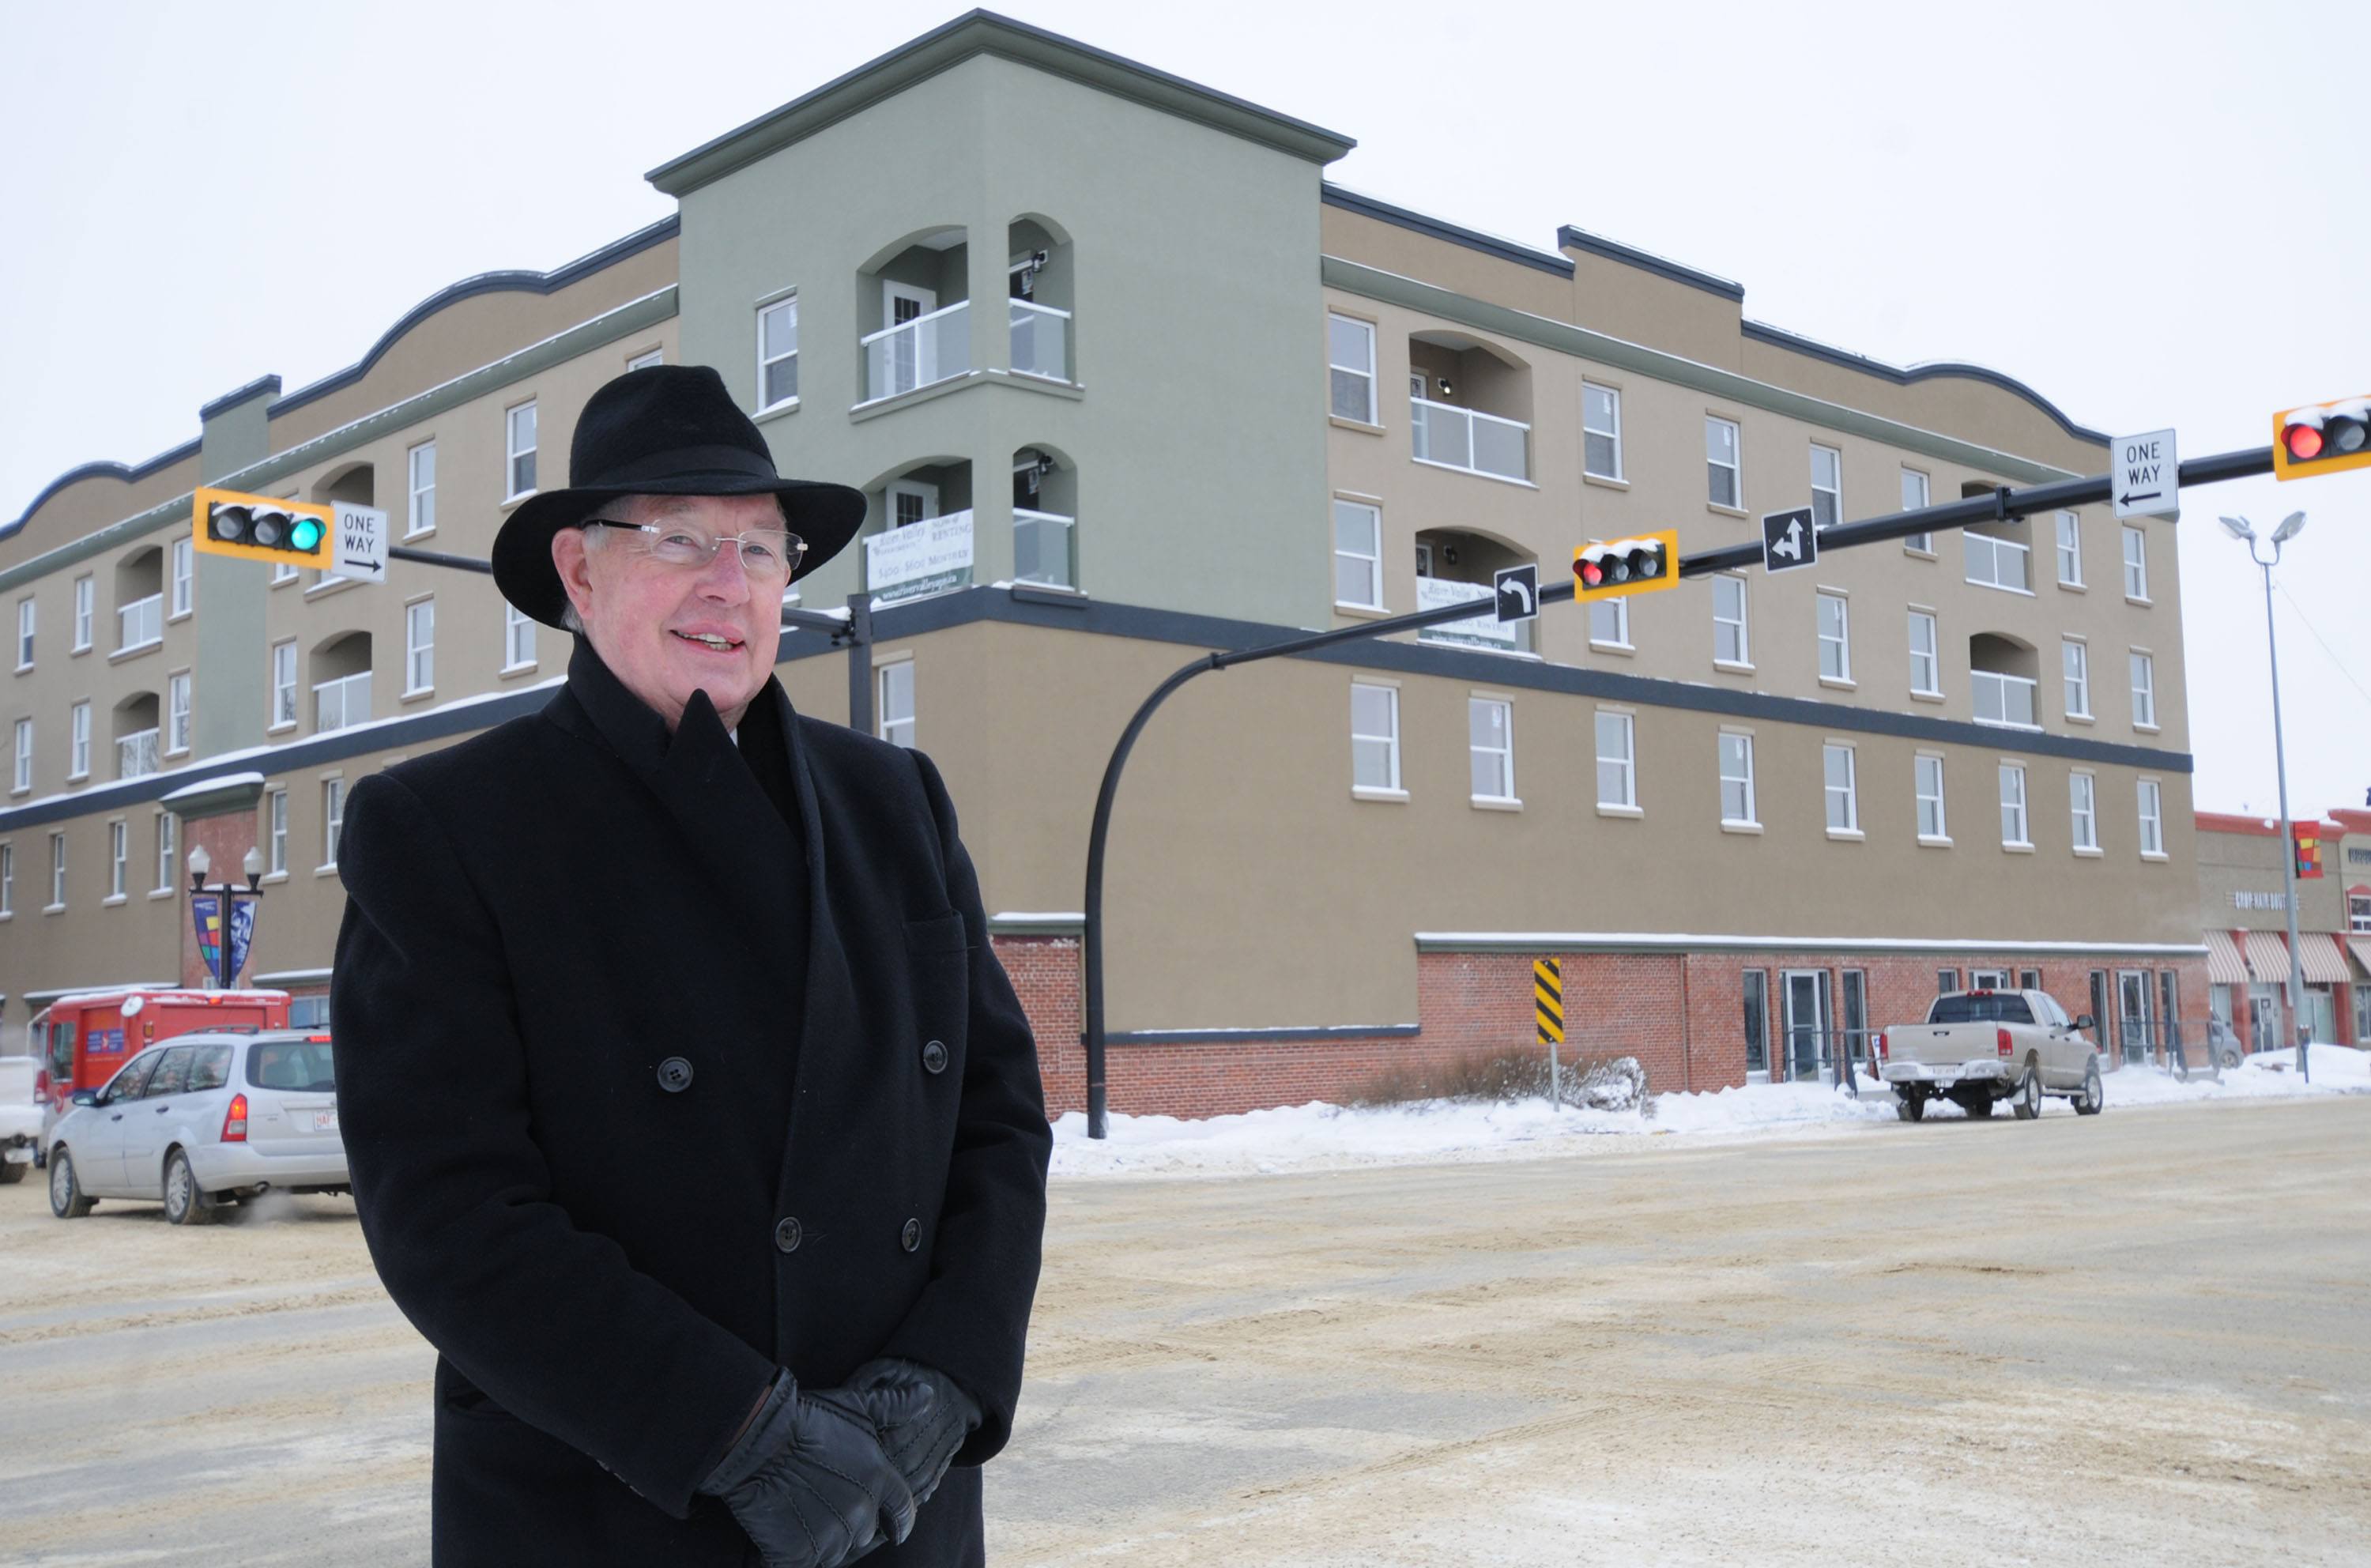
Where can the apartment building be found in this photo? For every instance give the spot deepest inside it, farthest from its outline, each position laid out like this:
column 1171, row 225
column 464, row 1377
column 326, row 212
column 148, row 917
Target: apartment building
column 2245, row 913
column 1127, row 380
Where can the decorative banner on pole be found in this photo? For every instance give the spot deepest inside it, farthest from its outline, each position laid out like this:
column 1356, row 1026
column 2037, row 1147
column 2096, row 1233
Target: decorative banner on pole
column 205, row 910
column 242, row 934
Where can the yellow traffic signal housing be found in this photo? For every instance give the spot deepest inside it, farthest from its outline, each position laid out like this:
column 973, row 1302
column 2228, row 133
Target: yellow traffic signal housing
column 1608, row 569
column 261, row 528
column 2321, row 438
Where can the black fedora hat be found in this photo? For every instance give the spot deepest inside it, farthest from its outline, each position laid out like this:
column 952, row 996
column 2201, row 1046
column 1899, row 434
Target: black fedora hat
column 665, row 430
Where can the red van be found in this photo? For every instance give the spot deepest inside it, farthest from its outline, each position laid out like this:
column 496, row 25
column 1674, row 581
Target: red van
column 81, row 1039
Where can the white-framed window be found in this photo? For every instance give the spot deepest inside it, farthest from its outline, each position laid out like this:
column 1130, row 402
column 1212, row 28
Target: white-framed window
column 2152, row 810
column 1839, row 765
column 1929, row 772
column 78, row 740
column 285, row 572
column 1835, row 638
column 57, row 870
column 2083, row 806
column 2014, row 829
column 2070, row 549
column 176, row 712
column 2358, row 914
column 119, row 855
column 419, row 465
column 2135, row 564
column 1737, row 781
column 284, row 683
column 1617, row 760
column 333, row 819
column 1374, row 736
column 777, row 353
column 518, row 638
column 7, row 879
column 1351, row 360
column 86, row 595
column 1601, row 431
column 518, row 425
column 896, row 702
column 1358, row 554
column 2075, row 657
column 185, row 570
column 22, row 763
column 276, row 831
column 1724, row 463
column 166, row 833
column 1925, row 660
column 1916, row 490
column 419, row 646
column 2143, row 691
column 1609, row 622
column 1827, row 487
column 646, row 359
column 1730, row 645
column 25, row 633
column 1490, row 738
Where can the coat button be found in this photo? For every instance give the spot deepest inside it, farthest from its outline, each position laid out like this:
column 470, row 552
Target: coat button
column 675, row 1075
column 786, row 1235
column 934, row 1057
column 911, row 1237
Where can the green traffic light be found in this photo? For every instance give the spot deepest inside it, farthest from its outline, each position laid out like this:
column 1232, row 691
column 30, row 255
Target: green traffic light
column 307, row 535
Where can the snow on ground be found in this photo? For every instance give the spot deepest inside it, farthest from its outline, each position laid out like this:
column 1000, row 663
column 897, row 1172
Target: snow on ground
column 1320, row 1137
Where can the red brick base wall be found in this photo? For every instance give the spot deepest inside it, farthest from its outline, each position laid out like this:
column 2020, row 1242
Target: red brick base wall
column 1681, row 1015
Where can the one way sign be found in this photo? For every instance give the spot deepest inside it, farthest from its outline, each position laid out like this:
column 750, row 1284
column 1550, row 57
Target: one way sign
column 2145, row 477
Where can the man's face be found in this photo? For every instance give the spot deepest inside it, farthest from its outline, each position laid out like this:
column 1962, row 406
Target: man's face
column 658, row 626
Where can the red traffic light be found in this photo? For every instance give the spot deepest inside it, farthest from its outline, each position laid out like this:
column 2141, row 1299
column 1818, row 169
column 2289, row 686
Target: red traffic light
column 2303, row 440
column 1591, row 575
column 2321, row 438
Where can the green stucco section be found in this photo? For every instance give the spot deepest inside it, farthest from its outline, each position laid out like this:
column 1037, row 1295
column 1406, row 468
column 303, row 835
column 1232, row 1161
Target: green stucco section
column 1188, row 255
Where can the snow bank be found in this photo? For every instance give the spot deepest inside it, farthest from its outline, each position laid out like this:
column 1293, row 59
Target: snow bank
column 1319, row 1137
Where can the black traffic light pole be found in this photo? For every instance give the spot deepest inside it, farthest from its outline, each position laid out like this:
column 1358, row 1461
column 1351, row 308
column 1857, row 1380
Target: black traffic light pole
column 2000, row 505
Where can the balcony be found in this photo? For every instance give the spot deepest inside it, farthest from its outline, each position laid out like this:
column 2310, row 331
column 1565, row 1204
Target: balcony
column 1041, row 548
column 1998, row 563
column 140, row 623
column 136, row 755
column 1040, row 340
column 2003, row 700
column 341, row 703
column 1450, row 437
column 918, row 559
column 914, row 353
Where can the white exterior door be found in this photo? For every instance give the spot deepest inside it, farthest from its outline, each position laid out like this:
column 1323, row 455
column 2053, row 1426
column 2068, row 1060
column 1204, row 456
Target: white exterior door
column 909, row 350
column 912, row 502
column 1807, row 1022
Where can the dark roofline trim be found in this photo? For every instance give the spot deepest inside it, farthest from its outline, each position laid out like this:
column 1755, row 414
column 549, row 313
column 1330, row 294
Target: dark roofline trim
column 262, row 386
column 513, row 282
column 1614, row 250
column 131, row 474
column 1779, row 337
column 1384, row 211
column 944, row 48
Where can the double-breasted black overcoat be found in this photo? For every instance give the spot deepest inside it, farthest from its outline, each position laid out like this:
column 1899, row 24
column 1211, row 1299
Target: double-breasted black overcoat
column 564, row 996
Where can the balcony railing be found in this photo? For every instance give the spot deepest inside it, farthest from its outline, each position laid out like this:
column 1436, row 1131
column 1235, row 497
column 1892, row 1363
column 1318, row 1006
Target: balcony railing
column 1040, row 340
column 135, row 754
column 1041, row 548
column 917, row 352
column 2003, row 699
column 1998, row 563
column 339, row 703
column 140, row 623
column 1469, row 439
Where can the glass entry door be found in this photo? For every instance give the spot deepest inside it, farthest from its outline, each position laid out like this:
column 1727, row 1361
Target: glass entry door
column 2132, row 1014
column 1807, row 1022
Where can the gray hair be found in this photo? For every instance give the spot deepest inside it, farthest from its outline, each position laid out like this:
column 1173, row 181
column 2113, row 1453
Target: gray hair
column 592, row 542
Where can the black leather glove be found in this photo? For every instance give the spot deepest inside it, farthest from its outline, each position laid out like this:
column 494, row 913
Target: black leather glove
column 809, row 1480
column 921, row 1447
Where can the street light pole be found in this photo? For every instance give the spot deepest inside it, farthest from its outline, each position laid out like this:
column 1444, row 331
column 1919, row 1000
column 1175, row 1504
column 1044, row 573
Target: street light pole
column 2290, row 526
column 199, row 864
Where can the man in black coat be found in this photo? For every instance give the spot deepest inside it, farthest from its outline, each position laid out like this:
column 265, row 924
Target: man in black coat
column 690, row 1116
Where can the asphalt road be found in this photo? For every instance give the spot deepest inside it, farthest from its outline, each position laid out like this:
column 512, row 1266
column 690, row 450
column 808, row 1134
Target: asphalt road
column 2139, row 1338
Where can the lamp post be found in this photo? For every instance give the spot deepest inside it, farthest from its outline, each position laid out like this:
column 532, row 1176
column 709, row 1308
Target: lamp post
column 199, row 864
column 2290, row 527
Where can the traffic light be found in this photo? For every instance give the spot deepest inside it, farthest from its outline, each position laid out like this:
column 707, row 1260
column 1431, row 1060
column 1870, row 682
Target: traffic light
column 2321, row 438
column 2309, row 848
column 261, row 528
column 1640, row 564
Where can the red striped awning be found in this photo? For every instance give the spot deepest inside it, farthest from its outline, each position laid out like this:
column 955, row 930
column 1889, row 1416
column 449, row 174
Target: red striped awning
column 2224, row 964
column 2268, row 956
column 2320, row 960
column 2361, row 948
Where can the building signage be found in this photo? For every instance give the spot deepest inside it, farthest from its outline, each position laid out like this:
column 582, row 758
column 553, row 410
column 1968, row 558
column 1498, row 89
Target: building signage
column 924, row 557
column 2244, row 900
column 1484, row 630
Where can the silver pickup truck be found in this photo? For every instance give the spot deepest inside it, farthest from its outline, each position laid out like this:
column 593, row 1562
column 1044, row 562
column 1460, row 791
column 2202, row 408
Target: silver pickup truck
column 1979, row 1047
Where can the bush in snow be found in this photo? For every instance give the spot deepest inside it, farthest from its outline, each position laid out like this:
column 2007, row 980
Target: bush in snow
column 1514, row 1072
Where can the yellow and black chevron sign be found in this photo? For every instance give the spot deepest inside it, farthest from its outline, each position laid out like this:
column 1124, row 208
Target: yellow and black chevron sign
column 1547, row 999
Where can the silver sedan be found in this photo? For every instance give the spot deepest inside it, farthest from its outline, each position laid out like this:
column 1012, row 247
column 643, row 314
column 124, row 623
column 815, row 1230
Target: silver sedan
column 201, row 1122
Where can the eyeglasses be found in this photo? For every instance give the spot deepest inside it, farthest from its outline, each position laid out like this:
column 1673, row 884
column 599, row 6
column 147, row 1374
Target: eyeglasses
column 767, row 555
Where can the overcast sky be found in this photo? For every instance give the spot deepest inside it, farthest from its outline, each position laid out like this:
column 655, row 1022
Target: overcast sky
column 2152, row 213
